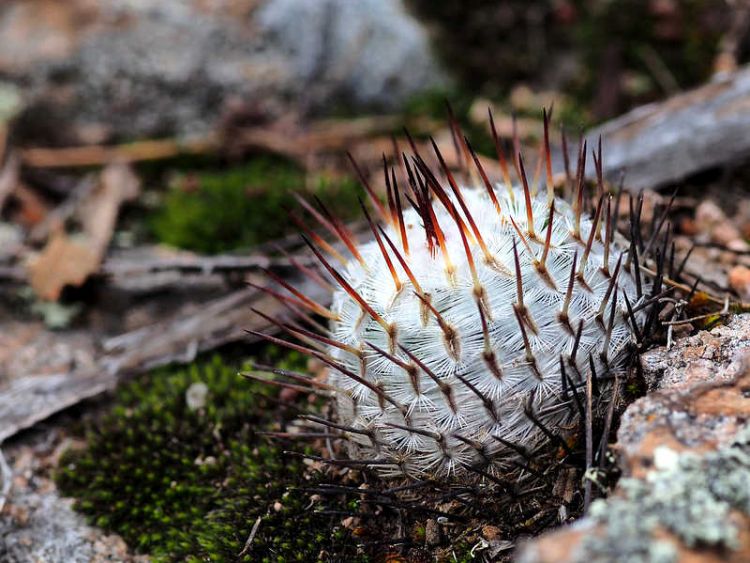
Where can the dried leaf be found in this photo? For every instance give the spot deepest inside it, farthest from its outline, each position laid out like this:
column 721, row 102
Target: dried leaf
column 98, row 215
column 64, row 261
column 70, row 261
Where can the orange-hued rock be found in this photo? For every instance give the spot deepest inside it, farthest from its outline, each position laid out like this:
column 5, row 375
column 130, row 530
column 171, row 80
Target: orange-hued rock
column 689, row 432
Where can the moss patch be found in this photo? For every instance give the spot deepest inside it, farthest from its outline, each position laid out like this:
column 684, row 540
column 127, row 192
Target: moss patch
column 219, row 210
column 185, row 482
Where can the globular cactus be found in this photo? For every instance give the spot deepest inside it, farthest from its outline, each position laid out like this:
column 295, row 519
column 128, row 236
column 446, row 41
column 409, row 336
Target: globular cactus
column 466, row 333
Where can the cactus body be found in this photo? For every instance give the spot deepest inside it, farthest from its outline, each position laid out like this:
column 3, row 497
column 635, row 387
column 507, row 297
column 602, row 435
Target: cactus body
column 465, row 369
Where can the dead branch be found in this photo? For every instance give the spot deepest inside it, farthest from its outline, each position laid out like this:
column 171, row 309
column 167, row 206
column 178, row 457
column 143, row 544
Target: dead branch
column 664, row 142
column 296, row 143
column 176, row 339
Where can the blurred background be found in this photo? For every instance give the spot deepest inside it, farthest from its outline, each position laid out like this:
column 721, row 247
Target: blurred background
column 215, row 111
column 93, row 72
column 227, row 80
column 152, row 152
column 211, row 102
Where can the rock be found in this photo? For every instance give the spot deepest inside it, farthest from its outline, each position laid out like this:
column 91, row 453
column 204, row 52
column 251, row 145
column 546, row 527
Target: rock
column 711, row 219
column 703, row 357
column 368, row 52
column 47, row 529
column 196, row 395
column 739, row 279
column 36, row 524
column 685, row 455
column 742, row 217
column 114, row 70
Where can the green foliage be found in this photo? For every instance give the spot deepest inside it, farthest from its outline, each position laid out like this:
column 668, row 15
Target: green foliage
column 188, row 485
column 216, row 211
column 610, row 55
column 652, row 49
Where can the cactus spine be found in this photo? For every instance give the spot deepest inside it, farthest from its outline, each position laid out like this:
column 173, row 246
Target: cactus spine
column 464, row 334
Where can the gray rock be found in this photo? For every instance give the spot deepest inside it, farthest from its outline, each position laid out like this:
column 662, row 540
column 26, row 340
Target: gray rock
column 36, row 523
column 368, row 52
column 53, row 532
column 124, row 69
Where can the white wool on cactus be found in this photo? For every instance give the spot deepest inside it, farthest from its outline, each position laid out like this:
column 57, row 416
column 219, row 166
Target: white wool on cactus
column 480, row 323
column 464, row 330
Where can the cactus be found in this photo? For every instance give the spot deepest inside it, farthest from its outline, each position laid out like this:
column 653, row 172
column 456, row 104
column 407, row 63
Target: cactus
column 476, row 325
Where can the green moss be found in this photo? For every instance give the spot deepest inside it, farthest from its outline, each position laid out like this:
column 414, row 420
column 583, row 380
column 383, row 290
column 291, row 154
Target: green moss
column 188, row 484
column 220, row 210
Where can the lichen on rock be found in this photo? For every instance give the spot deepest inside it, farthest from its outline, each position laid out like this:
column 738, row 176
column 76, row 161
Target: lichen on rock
column 689, row 495
column 684, row 450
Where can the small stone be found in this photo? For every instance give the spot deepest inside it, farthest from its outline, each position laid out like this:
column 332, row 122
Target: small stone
column 708, row 214
column 738, row 245
column 711, row 219
column 196, row 395
column 350, row 522
column 739, row 280
column 726, row 234
column 688, row 226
